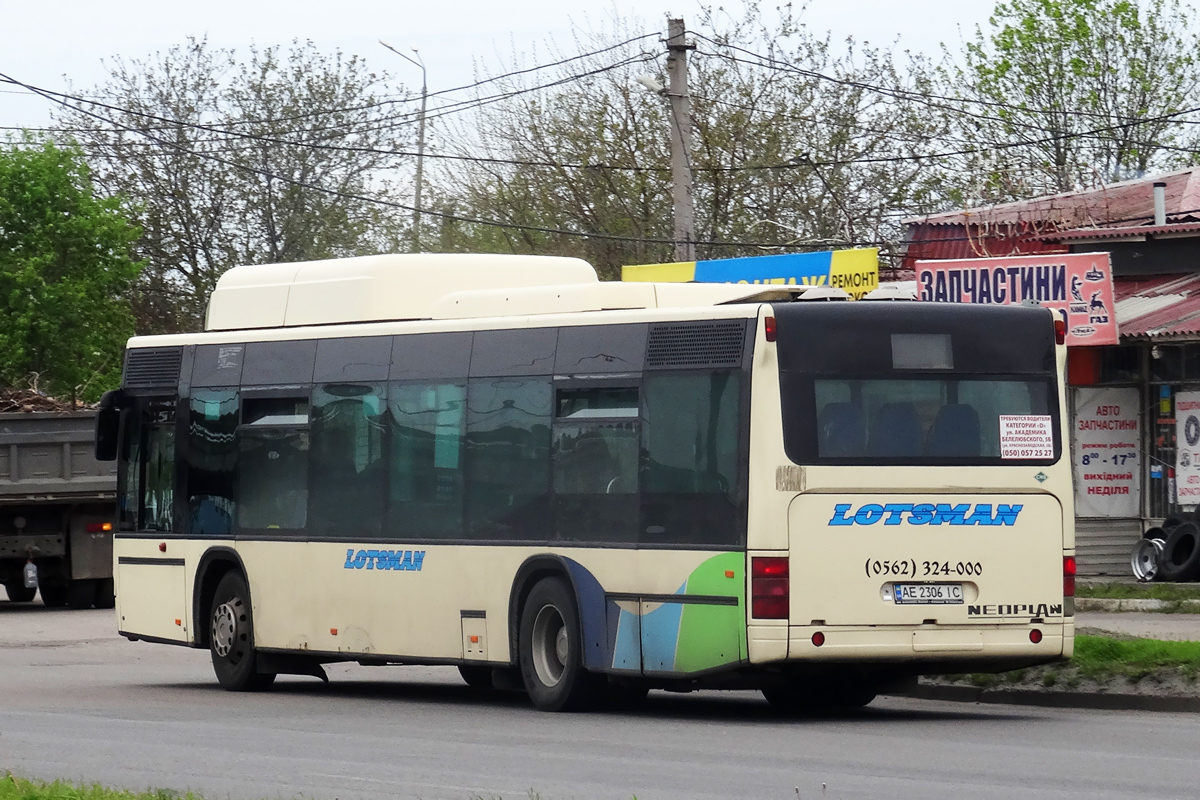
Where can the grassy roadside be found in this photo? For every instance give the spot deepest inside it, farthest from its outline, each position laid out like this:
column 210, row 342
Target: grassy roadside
column 1170, row 592
column 14, row 788
column 1107, row 663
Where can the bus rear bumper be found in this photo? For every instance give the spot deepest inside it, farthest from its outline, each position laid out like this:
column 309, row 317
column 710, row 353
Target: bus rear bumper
column 1000, row 644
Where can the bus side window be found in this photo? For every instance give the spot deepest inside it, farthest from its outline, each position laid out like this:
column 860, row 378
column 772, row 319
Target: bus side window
column 508, row 458
column 272, row 465
column 425, row 492
column 158, row 469
column 690, row 459
column 211, row 455
column 348, row 468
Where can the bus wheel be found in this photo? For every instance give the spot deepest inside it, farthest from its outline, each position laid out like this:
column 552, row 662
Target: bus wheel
column 18, row 592
column 53, row 594
column 106, row 596
column 475, row 676
column 231, row 637
column 551, row 652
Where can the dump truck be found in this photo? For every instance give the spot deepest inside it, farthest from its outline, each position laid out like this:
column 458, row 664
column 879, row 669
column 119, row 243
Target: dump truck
column 57, row 510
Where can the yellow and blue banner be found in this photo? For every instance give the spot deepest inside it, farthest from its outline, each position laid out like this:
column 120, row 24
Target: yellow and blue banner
column 854, row 271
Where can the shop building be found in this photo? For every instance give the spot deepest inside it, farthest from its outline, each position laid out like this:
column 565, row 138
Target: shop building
column 1134, row 403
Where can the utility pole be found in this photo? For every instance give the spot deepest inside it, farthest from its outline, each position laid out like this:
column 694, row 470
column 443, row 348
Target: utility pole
column 420, row 144
column 681, row 141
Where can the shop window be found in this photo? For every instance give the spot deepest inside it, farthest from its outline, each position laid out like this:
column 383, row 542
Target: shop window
column 1121, row 364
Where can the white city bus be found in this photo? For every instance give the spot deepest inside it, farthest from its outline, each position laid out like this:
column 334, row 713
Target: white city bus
column 591, row 489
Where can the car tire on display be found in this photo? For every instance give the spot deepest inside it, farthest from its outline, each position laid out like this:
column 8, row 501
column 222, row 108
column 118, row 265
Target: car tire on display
column 1157, row 533
column 1145, row 558
column 1171, row 523
column 1180, row 559
column 231, row 637
column 475, row 676
column 550, row 651
column 18, row 592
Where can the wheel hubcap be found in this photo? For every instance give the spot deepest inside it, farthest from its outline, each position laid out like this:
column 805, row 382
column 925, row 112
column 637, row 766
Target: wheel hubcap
column 225, row 628
column 551, row 646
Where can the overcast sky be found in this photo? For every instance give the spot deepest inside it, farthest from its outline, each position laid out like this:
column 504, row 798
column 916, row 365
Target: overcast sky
column 40, row 42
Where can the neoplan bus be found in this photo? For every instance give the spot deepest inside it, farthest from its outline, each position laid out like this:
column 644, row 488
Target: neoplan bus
column 591, row 489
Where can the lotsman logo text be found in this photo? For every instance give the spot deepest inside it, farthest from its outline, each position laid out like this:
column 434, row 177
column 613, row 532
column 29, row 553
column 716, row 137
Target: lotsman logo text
column 385, row 559
column 925, row 514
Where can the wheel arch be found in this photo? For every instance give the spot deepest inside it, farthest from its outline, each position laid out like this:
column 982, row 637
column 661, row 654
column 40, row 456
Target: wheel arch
column 590, row 603
column 214, row 564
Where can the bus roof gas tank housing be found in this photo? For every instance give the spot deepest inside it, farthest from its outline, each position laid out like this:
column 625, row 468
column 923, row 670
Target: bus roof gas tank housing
column 374, row 288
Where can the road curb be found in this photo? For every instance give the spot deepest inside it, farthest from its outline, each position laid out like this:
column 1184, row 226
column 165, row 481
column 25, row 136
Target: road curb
column 1029, row 697
column 1132, row 604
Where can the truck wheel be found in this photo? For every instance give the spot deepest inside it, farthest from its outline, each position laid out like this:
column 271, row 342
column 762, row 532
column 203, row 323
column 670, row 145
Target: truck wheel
column 106, row 595
column 231, row 637
column 54, row 595
column 81, row 594
column 551, row 651
column 19, row 593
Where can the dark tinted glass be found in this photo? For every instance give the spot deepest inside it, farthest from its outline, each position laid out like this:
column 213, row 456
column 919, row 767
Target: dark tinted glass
column 218, row 364
column 212, row 456
column 508, row 458
column 347, row 460
column 597, row 402
column 596, row 481
column 158, row 469
column 431, row 356
column 272, row 469
column 279, row 363
column 528, row 351
column 597, row 349
column 691, row 469
column 363, row 358
column 426, row 482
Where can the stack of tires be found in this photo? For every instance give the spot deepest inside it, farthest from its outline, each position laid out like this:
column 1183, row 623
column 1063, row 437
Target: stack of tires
column 1168, row 553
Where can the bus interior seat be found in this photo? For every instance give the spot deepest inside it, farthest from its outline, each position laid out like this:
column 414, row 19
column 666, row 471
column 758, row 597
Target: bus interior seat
column 841, row 430
column 896, row 431
column 955, row 432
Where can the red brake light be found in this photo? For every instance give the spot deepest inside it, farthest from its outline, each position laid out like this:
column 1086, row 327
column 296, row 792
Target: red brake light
column 769, row 328
column 1035, row 636
column 1069, row 569
column 769, row 587
column 98, row 527
column 1060, row 330
column 818, row 639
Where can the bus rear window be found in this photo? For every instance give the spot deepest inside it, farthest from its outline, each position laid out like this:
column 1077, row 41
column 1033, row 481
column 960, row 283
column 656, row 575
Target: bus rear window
column 916, row 421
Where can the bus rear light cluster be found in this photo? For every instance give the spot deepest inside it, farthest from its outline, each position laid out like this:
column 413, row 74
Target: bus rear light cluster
column 769, row 587
column 1060, row 330
column 1035, row 636
column 769, row 328
column 98, row 527
column 1068, row 576
column 818, row 639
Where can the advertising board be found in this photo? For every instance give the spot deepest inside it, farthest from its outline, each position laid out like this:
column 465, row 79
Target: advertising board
column 854, row 271
column 1105, row 450
column 1077, row 285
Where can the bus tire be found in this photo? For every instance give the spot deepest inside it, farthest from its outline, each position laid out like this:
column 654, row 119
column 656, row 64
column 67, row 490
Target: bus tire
column 54, row 595
column 475, row 676
column 106, row 594
column 231, row 637
column 81, row 593
column 1180, row 559
column 18, row 592
column 550, row 651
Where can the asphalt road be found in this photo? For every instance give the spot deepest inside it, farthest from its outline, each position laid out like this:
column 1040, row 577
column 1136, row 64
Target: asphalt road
column 81, row 703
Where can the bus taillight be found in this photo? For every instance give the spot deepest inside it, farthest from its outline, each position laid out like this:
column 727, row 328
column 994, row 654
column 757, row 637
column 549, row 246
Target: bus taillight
column 98, row 527
column 1060, row 330
column 769, row 587
column 769, row 328
column 1068, row 576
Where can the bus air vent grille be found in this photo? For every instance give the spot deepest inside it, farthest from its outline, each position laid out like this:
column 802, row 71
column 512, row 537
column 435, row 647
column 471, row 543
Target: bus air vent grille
column 153, row 368
column 716, row 343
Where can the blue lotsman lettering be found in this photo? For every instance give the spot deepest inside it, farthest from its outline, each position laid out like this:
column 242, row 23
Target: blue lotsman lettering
column 895, row 512
column 350, row 558
column 839, row 515
column 1007, row 515
column 868, row 514
column 951, row 515
column 982, row 515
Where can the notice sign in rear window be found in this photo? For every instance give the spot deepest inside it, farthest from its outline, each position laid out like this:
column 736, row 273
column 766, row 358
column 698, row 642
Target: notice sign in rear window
column 1026, row 436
